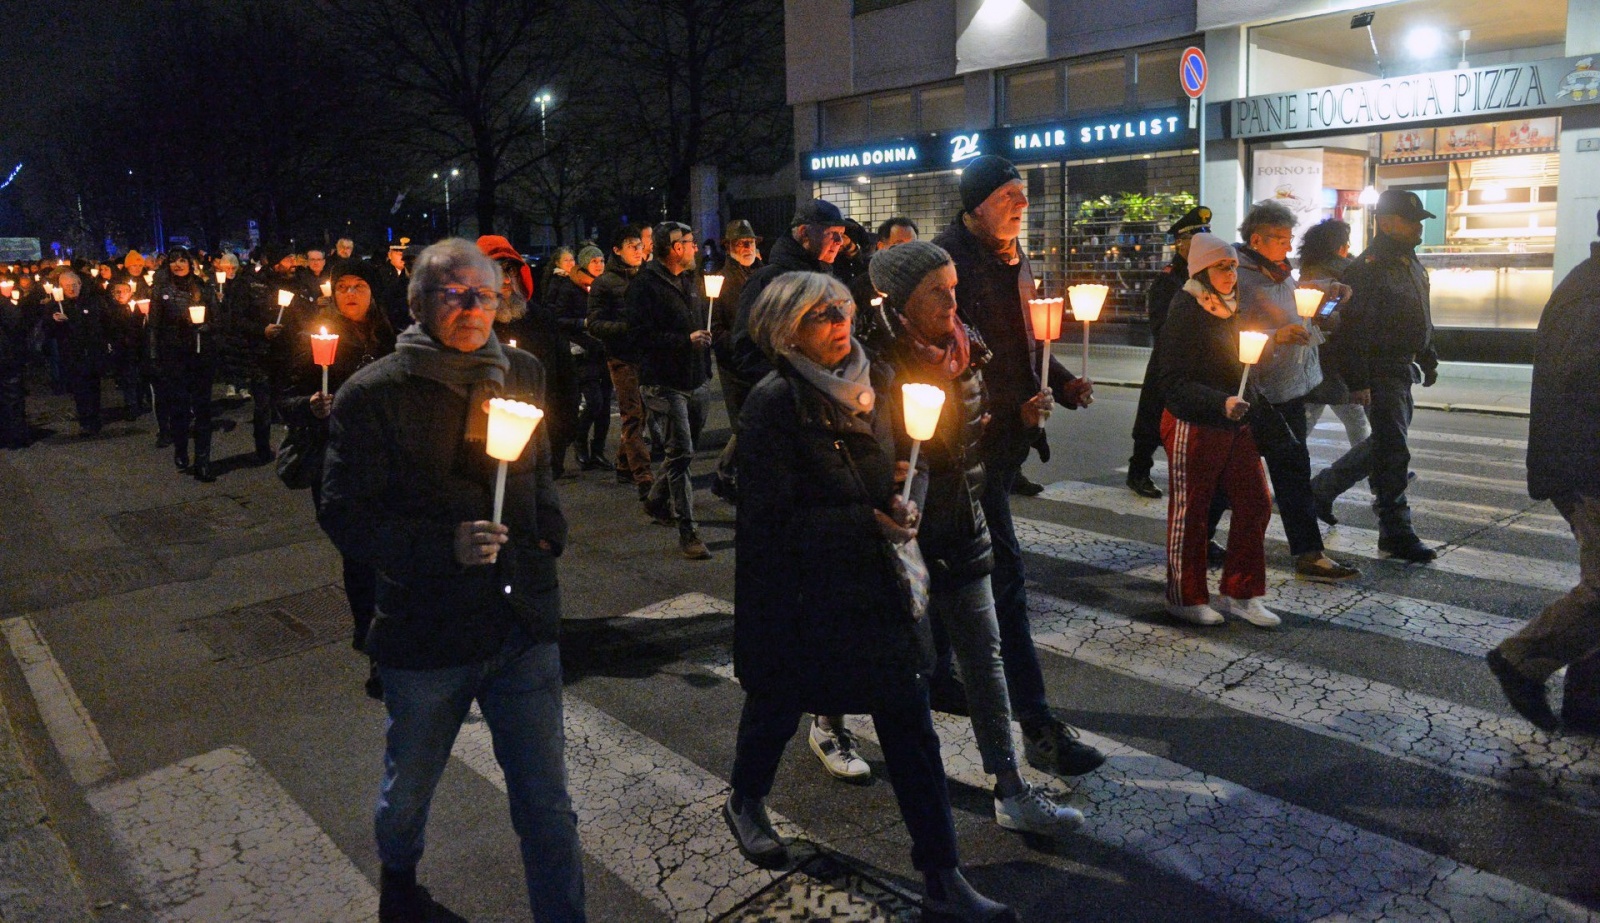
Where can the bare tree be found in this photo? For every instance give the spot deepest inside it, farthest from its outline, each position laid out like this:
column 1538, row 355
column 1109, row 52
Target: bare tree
column 465, row 76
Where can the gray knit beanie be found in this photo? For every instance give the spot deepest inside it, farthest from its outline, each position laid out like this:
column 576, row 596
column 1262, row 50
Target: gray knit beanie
column 897, row 271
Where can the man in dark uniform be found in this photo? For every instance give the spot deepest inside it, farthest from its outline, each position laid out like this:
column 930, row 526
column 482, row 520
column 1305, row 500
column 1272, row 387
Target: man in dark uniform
column 1388, row 335
column 1147, row 421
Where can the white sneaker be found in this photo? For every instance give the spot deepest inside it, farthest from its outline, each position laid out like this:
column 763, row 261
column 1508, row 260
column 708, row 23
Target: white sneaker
column 1201, row 614
column 1033, row 811
column 836, row 748
column 1250, row 610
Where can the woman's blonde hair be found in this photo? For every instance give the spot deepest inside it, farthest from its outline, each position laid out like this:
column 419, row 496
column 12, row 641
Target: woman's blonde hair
column 780, row 309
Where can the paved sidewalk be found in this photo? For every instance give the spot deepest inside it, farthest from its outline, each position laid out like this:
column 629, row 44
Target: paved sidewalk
column 1471, row 387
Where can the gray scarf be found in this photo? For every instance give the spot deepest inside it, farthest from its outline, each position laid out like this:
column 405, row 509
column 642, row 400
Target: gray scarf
column 849, row 384
column 480, row 374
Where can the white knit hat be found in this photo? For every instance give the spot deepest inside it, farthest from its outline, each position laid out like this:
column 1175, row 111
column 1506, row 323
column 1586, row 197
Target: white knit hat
column 1207, row 250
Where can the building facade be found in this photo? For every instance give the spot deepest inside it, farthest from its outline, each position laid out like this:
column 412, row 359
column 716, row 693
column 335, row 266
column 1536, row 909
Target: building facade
column 1492, row 117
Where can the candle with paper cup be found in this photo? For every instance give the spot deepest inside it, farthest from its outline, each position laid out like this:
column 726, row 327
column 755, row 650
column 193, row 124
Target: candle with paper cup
column 922, row 404
column 713, row 289
column 1087, row 300
column 222, row 278
column 511, row 425
column 197, row 316
column 284, row 298
column 1046, row 316
column 1251, row 343
column 150, row 277
column 327, row 288
column 323, row 347
column 512, row 343
column 1306, row 301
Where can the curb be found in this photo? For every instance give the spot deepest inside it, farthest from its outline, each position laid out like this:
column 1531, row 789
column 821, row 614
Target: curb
column 1487, row 409
column 38, row 882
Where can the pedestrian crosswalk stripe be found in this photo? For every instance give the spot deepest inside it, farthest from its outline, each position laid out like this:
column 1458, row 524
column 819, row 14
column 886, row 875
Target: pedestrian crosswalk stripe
column 1349, row 604
column 71, row 729
column 1457, row 559
column 1491, row 442
column 216, row 839
column 1330, row 449
column 1461, row 740
column 652, row 817
column 1277, row 858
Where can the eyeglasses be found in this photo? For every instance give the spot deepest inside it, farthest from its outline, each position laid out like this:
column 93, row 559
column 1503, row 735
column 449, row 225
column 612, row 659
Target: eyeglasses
column 461, row 297
column 834, row 312
column 683, row 240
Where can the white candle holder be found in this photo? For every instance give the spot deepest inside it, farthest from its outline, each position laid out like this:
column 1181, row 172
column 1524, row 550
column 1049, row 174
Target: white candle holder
column 1087, row 301
column 511, row 425
column 922, row 405
column 1251, row 344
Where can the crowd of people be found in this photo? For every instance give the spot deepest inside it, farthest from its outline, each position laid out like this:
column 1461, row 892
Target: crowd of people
column 873, row 576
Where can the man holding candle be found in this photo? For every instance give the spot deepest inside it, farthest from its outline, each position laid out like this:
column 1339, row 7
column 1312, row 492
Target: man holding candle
column 467, row 610
column 667, row 324
column 1288, row 370
column 995, row 283
column 82, row 331
column 263, row 332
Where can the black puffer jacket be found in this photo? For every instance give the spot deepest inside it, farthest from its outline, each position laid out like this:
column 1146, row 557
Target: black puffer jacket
column 746, row 360
column 661, row 315
column 171, row 330
column 359, row 346
column 399, row 477
column 954, row 535
column 85, row 335
column 606, row 321
column 818, row 617
column 251, row 308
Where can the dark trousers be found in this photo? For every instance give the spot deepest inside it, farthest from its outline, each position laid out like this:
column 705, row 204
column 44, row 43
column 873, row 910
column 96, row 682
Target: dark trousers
column 734, row 391
column 262, row 396
column 1147, row 422
column 183, row 396
column 633, row 452
column 360, row 588
column 135, row 398
column 85, row 386
column 13, row 404
column 594, row 420
column 910, row 751
column 1383, row 458
column 1024, row 677
column 1289, row 464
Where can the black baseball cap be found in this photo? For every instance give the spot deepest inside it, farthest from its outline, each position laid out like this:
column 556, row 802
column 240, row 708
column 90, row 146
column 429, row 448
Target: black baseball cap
column 1406, row 204
column 819, row 212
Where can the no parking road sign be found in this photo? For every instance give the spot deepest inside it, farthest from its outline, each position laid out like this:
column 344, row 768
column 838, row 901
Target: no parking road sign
column 1193, row 72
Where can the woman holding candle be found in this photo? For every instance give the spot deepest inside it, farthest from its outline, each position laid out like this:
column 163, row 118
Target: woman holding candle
column 930, row 345
column 820, row 621
column 570, row 305
column 185, row 354
column 1210, row 446
column 363, row 335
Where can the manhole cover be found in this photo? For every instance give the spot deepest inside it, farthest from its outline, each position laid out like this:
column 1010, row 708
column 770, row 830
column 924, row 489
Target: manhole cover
column 183, row 522
column 824, row 888
column 276, row 628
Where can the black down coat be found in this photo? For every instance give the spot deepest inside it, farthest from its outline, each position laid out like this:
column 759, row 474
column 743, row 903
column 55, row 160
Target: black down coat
column 819, row 620
column 954, row 535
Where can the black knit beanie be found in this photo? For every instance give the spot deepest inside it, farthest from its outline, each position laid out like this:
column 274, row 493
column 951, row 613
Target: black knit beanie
column 981, row 177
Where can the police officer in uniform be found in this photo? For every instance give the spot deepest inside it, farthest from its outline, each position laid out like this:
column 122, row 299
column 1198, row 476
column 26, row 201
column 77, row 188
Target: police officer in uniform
column 1387, row 333
column 1147, row 421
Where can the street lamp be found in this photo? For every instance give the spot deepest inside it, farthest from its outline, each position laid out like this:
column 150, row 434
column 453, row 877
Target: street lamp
column 543, row 99
column 449, row 225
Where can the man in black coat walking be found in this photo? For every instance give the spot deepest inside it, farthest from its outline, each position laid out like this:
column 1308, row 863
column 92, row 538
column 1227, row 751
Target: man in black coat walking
column 1564, row 468
column 995, row 280
column 815, row 236
column 667, row 325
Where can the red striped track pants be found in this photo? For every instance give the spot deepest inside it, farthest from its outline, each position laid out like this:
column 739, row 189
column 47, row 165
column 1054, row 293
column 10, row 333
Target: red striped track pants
column 1201, row 460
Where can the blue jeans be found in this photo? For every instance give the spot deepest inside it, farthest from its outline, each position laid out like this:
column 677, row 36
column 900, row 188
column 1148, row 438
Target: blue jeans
column 519, row 692
column 1024, row 677
column 968, row 616
column 682, row 414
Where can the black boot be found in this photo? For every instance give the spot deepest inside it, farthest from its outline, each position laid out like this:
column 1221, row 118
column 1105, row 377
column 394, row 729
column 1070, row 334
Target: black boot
column 952, row 899
column 401, row 899
column 180, row 456
column 202, row 468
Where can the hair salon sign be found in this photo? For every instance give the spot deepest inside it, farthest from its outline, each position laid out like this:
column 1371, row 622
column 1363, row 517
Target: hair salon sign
column 1506, row 90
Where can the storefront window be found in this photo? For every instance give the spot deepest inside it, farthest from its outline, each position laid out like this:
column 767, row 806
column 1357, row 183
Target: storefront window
column 891, row 115
column 943, row 107
column 1096, row 86
column 844, row 122
column 1158, row 76
column 1033, row 95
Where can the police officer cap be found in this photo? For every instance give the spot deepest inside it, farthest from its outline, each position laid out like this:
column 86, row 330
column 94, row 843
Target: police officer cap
column 1403, row 203
column 1196, row 220
column 819, row 212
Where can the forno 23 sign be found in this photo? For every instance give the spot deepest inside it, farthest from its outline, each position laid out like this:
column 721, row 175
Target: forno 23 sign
column 1439, row 96
column 1088, row 137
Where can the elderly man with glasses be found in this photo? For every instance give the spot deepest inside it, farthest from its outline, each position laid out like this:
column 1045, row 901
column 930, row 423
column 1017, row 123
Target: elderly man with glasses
column 468, row 610
column 667, row 323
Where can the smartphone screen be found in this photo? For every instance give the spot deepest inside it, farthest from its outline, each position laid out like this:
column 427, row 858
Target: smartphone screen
column 1328, row 308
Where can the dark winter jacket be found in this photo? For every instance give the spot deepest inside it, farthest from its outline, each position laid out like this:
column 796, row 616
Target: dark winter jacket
column 569, row 303
column 399, row 477
column 85, row 336
column 537, row 332
column 1200, row 366
column 954, row 536
column 253, row 306
column 1162, row 290
column 1388, row 323
column 818, row 617
column 1564, row 426
column 606, row 321
column 359, row 346
column 989, row 293
column 748, row 363
column 171, row 330
column 725, row 313
column 661, row 314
